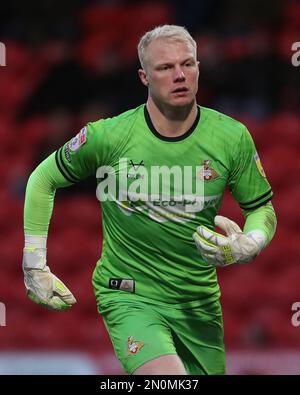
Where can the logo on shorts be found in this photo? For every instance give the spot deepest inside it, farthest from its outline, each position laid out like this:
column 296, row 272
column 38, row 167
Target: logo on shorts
column 124, row 284
column 133, row 346
column 207, row 173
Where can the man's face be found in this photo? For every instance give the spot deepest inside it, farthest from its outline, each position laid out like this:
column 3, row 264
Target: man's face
column 171, row 72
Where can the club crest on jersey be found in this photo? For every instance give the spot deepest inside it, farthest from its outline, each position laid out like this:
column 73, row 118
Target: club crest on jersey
column 78, row 140
column 207, row 173
column 259, row 165
column 133, row 346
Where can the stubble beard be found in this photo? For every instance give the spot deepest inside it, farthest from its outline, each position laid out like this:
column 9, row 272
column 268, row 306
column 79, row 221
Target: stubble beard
column 172, row 111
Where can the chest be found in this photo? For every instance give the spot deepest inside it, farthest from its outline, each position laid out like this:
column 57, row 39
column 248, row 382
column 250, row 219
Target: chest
column 179, row 168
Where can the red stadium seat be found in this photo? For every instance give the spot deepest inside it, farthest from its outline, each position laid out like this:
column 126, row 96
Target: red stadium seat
column 284, row 128
column 287, row 208
column 281, row 164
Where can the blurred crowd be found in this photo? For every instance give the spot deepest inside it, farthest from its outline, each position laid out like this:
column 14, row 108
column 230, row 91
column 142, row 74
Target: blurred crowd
column 71, row 62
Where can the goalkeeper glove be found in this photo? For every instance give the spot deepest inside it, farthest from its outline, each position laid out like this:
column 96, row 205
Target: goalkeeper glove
column 43, row 287
column 237, row 247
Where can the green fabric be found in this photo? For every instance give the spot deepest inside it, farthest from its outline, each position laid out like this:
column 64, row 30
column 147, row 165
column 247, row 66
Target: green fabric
column 39, row 200
column 141, row 332
column 152, row 243
column 264, row 219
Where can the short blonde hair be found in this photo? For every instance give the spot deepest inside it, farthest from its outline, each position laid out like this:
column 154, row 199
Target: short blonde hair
column 173, row 32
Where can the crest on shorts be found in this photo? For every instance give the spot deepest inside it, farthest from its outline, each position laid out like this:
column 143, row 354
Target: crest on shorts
column 133, row 346
column 207, row 173
column 259, row 165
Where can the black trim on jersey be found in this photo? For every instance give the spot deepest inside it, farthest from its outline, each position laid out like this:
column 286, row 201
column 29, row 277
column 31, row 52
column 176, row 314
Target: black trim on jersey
column 75, row 179
column 261, row 201
column 65, row 172
column 165, row 138
column 258, row 205
column 257, row 199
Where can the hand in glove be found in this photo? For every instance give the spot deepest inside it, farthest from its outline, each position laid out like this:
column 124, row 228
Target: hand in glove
column 43, row 287
column 236, row 247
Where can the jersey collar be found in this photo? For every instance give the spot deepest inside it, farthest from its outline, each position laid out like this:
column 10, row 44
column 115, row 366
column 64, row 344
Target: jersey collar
column 165, row 138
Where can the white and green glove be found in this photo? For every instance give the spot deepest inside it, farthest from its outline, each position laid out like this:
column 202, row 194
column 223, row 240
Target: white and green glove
column 43, row 287
column 236, row 247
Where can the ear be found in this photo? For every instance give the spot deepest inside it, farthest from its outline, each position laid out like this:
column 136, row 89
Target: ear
column 198, row 64
column 143, row 77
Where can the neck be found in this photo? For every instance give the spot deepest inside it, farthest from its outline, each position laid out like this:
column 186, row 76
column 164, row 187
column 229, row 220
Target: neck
column 171, row 121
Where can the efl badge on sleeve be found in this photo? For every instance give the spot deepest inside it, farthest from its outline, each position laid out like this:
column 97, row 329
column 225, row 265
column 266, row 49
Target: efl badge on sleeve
column 259, row 165
column 78, row 140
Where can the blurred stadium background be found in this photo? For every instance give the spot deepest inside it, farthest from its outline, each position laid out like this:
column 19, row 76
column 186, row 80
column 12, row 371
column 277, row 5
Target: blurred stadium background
column 70, row 62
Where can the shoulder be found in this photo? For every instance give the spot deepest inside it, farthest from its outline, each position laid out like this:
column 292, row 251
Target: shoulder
column 120, row 121
column 109, row 133
column 224, row 124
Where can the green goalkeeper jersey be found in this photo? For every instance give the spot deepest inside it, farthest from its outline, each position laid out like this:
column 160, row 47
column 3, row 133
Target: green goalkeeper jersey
column 148, row 220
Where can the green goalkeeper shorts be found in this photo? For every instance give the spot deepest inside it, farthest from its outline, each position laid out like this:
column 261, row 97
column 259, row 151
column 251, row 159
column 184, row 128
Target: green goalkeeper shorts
column 141, row 332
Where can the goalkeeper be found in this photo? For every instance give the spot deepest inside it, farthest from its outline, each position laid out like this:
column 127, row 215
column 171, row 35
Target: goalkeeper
column 155, row 283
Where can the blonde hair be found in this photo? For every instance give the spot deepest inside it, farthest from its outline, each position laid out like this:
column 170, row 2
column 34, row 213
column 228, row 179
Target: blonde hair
column 173, row 32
